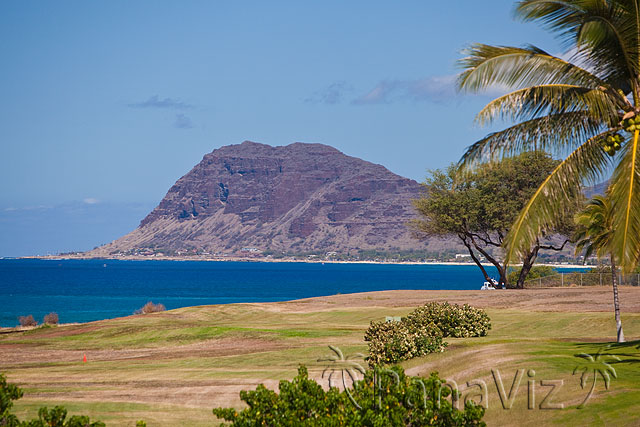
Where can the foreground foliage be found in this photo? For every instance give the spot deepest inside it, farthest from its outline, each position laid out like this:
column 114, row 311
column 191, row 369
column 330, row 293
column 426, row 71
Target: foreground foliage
column 56, row 417
column 384, row 397
column 422, row 332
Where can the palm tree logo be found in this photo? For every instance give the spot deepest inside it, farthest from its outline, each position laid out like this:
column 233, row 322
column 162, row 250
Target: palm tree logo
column 345, row 367
column 598, row 365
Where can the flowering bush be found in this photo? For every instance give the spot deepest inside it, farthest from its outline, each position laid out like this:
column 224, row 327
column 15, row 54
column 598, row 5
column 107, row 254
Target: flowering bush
column 452, row 319
column 422, row 332
column 391, row 342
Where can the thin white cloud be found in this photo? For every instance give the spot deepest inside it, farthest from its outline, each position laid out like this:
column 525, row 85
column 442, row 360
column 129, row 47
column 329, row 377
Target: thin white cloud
column 166, row 103
column 332, row 94
column 438, row 89
column 182, row 122
column 90, row 201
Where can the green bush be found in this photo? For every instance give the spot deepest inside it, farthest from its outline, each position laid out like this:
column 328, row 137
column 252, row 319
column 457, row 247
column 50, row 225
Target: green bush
column 422, row 332
column 384, row 397
column 57, row 417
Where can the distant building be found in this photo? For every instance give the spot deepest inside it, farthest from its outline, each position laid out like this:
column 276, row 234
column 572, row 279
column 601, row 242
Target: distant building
column 251, row 250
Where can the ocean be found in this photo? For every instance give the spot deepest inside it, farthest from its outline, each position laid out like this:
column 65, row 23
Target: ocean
column 87, row 290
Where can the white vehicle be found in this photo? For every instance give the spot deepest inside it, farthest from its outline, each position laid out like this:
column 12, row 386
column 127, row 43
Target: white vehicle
column 489, row 286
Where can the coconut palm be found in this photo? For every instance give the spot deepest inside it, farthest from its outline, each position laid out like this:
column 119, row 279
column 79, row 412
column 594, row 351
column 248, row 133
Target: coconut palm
column 594, row 235
column 584, row 109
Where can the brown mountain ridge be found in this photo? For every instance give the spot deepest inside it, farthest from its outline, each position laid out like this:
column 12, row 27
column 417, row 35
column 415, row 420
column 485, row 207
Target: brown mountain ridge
column 297, row 198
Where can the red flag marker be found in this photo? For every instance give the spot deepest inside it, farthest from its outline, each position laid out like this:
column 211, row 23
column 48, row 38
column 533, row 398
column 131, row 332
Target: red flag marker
column 84, row 359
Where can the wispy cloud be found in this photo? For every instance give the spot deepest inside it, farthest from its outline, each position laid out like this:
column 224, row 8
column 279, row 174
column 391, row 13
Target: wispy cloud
column 182, row 122
column 438, row 89
column 167, row 103
column 91, row 201
column 332, row 94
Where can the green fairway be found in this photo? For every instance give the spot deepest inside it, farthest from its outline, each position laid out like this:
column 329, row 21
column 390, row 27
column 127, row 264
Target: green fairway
column 171, row 368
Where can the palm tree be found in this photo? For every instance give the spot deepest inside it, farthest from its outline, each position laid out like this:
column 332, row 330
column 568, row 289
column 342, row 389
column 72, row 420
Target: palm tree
column 583, row 109
column 594, row 235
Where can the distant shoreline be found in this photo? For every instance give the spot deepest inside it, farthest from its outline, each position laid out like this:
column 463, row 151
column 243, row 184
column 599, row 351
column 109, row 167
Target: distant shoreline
column 247, row 259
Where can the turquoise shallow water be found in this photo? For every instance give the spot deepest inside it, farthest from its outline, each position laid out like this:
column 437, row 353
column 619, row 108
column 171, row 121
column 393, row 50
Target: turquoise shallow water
column 86, row 290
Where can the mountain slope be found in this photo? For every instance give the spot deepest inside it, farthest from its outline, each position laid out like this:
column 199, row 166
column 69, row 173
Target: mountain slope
column 295, row 198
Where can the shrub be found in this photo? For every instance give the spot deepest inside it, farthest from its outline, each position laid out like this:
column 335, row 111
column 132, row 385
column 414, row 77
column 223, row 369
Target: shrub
column 150, row 308
column 452, row 319
column 383, row 397
column 536, row 271
column 27, row 321
column 422, row 332
column 57, row 417
column 391, row 342
column 51, row 319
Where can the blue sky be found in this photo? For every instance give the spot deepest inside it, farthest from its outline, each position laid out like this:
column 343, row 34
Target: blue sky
column 106, row 104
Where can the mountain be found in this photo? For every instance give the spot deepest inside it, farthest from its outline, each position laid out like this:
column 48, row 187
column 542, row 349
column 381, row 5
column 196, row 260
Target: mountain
column 296, row 198
column 596, row 190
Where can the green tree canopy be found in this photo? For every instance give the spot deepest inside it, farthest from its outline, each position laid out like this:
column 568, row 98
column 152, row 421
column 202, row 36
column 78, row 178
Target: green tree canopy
column 480, row 206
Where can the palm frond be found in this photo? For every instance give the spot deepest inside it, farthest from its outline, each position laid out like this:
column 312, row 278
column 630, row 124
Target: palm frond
column 625, row 196
column 556, row 133
column 488, row 66
column 552, row 198
column 550, row 99
column 605, row 33
column 563, row 17
column 594, row 228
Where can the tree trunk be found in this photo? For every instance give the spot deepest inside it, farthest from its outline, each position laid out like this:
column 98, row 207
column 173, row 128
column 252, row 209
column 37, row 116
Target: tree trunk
column 527, row 263
column 475, row 259
column 492, row 260
column 616, row 301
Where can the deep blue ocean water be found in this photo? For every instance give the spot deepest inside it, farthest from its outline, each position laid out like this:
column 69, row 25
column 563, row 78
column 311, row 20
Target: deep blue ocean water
column 87, row 290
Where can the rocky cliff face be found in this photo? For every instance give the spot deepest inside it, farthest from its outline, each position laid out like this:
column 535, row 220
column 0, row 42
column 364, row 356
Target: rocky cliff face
column 295, row 198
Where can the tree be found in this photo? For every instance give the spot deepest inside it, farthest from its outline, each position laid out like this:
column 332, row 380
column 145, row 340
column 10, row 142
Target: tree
column 586, row 110
column 480, row 206
column 594, row 234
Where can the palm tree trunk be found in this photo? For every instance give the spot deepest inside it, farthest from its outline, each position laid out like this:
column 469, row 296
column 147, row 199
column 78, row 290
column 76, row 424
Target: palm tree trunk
column 616, row 301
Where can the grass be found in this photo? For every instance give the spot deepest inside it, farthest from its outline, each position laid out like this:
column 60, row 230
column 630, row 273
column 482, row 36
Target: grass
column 171, row 368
